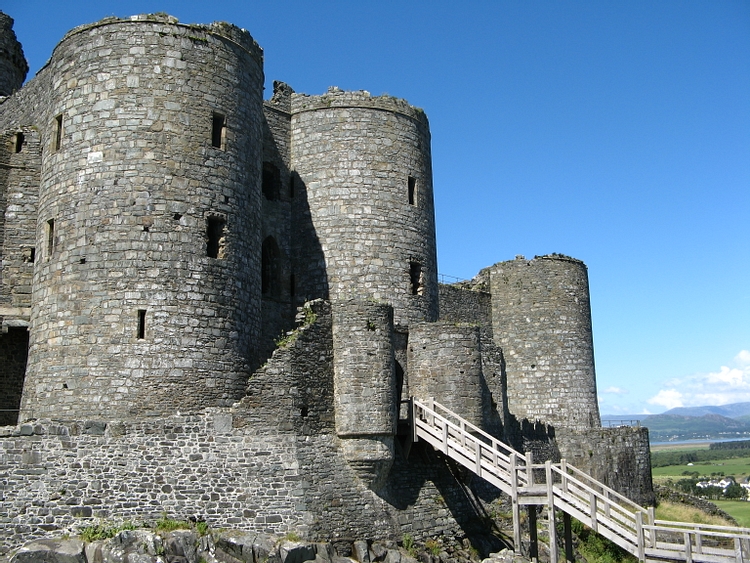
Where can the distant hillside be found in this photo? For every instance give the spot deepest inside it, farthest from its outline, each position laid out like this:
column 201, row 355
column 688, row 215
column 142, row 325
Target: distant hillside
column 735, row 410
column 710, row 426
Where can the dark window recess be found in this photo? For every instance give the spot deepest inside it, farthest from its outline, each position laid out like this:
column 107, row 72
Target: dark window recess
column 412, row 185
column 141, row 324
column 215, row 240
column 218, row 130
column 83, row 260
column 57, row 133
column 19, row 141
column 28, row 254
column 50, row 237
column 416, row 277
column 177, row 216
column 270, row 268
column 271, row 182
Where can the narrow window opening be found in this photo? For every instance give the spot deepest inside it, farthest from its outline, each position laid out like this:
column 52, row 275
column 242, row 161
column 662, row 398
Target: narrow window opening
column 58, row 131
column 83, row 260
column 28, row 254
column 270, row 268
column 215, row 237
column 412, row 183
column 218, row 131
column 416, row 277
column 146, row 228
column 271, row 181
column 141, row 324
column 177, row 216
column 50, row 237
column 304, row 411
column 19, row 141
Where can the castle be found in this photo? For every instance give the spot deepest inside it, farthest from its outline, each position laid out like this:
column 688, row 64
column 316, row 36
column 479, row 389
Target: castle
column 162, row 225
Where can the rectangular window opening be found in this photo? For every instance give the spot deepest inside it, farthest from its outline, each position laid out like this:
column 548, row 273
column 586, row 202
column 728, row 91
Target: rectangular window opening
column 50, row 237
column 218, row 130
column 141, row 324
column 58, row 131
column 416, row 278
column 19, row 141
column 412, row 190
column 215, row 240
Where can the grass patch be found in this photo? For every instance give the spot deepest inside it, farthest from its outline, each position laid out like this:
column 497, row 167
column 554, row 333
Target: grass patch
column 103, row 532
column 597, row 549
column 737, row 509
column 684, row 513
column 166, row 524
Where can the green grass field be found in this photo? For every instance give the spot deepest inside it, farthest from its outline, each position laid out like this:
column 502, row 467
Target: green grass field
column 738, row 509
column 738, row 467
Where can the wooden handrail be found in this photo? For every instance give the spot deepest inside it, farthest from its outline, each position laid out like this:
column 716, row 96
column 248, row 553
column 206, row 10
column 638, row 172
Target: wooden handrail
column 610, row 513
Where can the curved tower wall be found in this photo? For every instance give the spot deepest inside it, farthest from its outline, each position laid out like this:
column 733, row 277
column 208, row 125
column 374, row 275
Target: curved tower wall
column 365, row 166
column 541, row 317
column 445, row 363
column 365, row 387
column 13, row 65
column 147, row 277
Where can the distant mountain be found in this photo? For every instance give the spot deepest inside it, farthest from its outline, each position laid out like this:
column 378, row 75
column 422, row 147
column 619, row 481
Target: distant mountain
column 710, row 426
column 734, row 410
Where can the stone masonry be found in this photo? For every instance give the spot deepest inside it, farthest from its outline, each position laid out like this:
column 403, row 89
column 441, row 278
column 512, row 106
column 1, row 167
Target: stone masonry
column 216, row 305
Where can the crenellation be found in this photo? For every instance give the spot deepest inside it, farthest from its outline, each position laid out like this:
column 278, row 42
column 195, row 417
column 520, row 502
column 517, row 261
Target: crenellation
column 216, row 304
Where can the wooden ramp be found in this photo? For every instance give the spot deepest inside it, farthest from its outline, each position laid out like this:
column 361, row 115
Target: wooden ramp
column 562, row 487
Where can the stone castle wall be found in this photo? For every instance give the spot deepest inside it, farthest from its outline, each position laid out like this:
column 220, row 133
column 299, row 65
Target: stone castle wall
column 271, row 463
column 128, row 293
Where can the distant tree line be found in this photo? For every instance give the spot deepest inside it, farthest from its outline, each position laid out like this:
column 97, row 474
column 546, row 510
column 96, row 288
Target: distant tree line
column 739, row 445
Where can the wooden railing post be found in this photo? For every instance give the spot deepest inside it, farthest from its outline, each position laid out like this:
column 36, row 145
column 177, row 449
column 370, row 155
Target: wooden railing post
column 551, row 513
column 514, row 503
column 639, row 535
column 529, row 470
column 651, row 522
column 564, row 477
column 478, row 459
column 593, row 509
column 738, row 550
column 413, row 419
column 688, row 548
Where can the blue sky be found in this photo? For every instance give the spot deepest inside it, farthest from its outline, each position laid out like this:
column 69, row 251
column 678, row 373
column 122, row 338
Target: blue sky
column 616, row 132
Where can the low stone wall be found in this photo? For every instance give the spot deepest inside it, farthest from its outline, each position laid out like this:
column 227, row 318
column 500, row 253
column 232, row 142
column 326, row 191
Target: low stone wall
column 618, row 457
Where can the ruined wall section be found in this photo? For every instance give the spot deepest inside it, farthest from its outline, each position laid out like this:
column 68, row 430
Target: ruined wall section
column 13, row 65
column 618, row 457
column 365, row 166
column 277, row 277
column 148, row 238
column 459, row 305
column 542, row 321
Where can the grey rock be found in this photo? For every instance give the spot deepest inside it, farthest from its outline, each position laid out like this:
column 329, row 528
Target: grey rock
column 361, row 552
column 296, row 552
column 51, row 551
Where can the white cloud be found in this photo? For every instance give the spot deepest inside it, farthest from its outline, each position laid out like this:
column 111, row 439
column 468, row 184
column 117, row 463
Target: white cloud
column 729, row 384
column 669, row 398
column 615, row 390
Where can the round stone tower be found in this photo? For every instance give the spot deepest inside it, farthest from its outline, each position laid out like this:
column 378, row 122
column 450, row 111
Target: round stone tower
column 365, row 167
column 147, row 279
column 541, row 317
column 13, row 66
